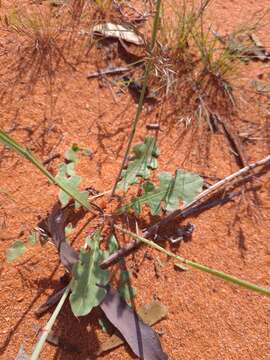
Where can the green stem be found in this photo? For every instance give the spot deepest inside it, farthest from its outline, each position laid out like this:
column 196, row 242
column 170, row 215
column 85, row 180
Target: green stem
column 220, row 274
column 8, row 141
column 142, row 94
column 46, row 330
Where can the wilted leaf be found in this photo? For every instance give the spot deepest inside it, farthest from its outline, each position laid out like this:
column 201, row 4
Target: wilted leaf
column 150, row 314
column 68, row 255
column 183, row 186
column 247, row 46
column 118, row 31
column 142, row 339
column 16, row 250
column 145, row 155
column 86, row 292
column 262, row 87
column 56, row 227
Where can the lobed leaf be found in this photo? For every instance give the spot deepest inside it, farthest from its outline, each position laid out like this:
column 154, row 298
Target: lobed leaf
column 67, row 178
column 145, row 158
column 183, row 186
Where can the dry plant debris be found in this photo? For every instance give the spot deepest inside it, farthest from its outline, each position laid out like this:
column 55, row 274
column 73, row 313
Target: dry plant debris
column 119, row 32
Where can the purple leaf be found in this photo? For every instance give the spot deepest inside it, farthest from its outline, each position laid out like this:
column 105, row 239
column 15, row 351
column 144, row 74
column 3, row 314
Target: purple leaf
column 142, row 339
column 56, row 226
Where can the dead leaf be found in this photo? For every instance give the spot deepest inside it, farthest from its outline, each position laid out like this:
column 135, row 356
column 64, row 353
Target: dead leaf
column 150, row 314
column 261, row 87
column 248, row 46
column 141, row 338
column 259, row 50
column 57, row 221
column 119, row 32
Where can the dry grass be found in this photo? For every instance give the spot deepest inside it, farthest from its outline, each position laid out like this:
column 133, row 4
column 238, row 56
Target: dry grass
column 194, row 69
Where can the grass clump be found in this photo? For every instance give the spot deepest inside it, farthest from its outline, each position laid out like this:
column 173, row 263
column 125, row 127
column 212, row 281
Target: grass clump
column 40, row 51
column 195, row 66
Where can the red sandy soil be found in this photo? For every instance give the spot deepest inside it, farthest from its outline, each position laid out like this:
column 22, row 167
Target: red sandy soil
column 207, row 318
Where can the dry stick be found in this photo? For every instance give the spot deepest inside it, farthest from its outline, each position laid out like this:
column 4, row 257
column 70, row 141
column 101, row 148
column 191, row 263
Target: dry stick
column 142, row 95
column 234, row 140
column 108, row 71
column 179, row 212
column 51, row 158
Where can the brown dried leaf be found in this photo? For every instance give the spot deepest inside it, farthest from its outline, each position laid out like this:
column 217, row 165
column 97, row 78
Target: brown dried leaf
column 119, row 32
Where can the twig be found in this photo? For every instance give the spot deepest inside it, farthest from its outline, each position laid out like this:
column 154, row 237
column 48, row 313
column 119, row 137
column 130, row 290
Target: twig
column 235, row 142
column 51, row 158
column 183, row 212
column 177, row 213
column 132, row 245
column 108, row 71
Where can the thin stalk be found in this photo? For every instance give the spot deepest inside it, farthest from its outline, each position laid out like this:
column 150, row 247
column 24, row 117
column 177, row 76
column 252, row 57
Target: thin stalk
column 142, row 94
column 46, row 330
column 220, row 274
column 11, row 143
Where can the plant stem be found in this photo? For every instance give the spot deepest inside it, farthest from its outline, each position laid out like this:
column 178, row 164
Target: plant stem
column 142, row 94
column 46, row 330
column 220, row 274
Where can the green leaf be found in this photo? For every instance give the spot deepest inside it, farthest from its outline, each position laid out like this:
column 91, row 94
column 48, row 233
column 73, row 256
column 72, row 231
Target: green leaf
column 83, row 195
column 125, row 289
column 104, row 324
column 112, row 244
column 11, row 143
column 183, row 186
column 68, row 229
column 32, row 238
column 68, row 179
column 71, row 153
column 63, row 197
column 16, row 250
column 127, row 292
column 86, row 292
column 70, row 169
column 145, row 155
